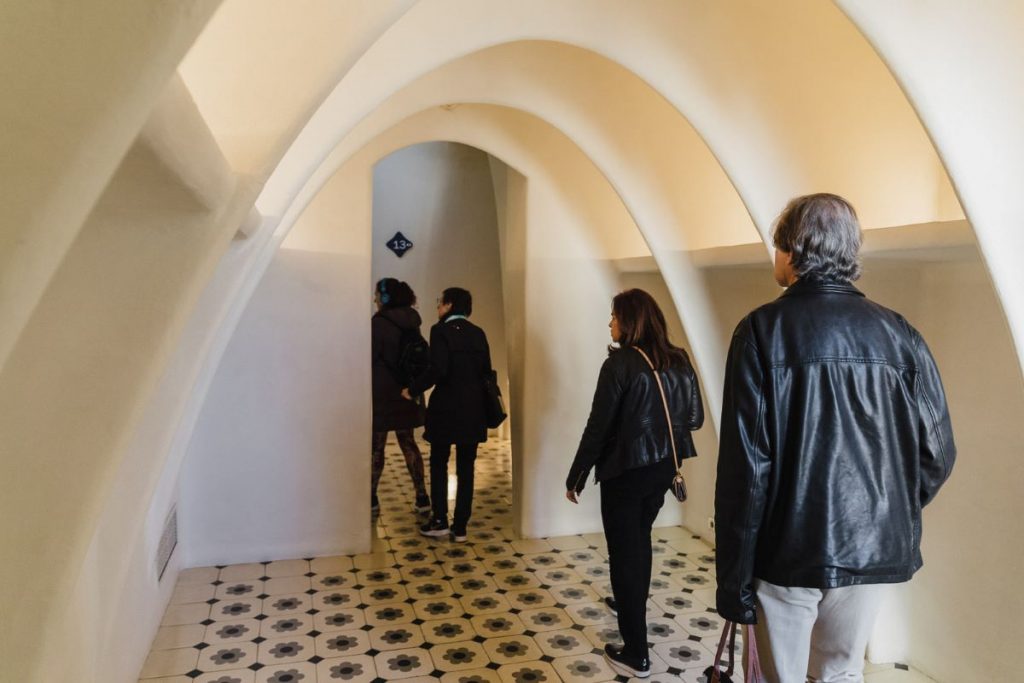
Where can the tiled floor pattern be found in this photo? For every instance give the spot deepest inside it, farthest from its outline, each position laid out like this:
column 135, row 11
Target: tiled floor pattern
column 494, row 609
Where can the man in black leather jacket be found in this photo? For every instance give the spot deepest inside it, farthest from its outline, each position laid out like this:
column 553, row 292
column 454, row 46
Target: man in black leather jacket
column 835, row 434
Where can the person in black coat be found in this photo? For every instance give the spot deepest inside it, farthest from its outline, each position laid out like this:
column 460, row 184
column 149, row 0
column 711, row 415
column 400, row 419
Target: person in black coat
column 395, row 317
column 460, row 359
column 627, row 440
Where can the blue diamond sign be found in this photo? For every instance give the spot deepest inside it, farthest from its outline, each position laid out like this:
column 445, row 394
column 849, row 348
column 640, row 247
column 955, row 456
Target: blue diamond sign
column 399, row 244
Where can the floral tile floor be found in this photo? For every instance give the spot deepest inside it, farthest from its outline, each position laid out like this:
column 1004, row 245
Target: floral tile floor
column 492, row 610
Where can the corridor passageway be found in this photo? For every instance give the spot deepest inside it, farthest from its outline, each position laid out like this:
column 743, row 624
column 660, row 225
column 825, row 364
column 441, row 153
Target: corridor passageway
column 492, row 610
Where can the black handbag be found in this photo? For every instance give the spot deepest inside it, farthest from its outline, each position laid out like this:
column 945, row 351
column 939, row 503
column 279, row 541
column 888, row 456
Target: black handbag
column 494, row 405
column 678, row 482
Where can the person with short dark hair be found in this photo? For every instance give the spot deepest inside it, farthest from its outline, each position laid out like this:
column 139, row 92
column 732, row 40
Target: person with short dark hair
column 629, row 441
column 460, row 360
column 395, row 317
column 835, row 434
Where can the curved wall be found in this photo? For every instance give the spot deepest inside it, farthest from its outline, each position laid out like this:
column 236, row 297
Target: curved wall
column 789, row 98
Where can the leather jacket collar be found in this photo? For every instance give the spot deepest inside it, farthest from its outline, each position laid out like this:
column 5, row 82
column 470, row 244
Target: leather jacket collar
column 817, row 285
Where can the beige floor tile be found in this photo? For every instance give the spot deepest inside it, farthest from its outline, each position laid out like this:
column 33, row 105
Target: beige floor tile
column 281, row 568
column 234, row 590
column 390, row 614
column 563, row 643
column 232, row 676
column 530, row 672
column 448, row 630
column 286, row 585
column 286, row 650
column 172, row 637
column 331, row 565
column 437, row 608
column 458, row 656
column 286, row 625
column 546, row 619
column 339, row 620
column 232, row 631
column 568, row 542
column 532, row 546
column 396, row 637
column 512, row 649
column 192, row 592
column 349, row 669
column 295, row 672
column 243, row 572
column 192, row 613
column 198, row 575
column 246, row 608
column 580, row 668
column 224, row 656
column 342, row 643
column 170, row 662
column 408, row 663
column 280, row 605
column 472, row 676
column 496, row 625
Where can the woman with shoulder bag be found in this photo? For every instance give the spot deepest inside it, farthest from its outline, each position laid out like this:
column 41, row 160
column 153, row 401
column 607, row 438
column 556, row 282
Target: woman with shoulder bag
column 460, row 363
column 645, row 385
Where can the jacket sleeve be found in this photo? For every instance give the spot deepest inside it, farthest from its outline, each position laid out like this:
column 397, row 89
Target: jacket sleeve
column 937, row 451
column 695, row 420
column 600, row 426
column 744, row 464
column 439, row 358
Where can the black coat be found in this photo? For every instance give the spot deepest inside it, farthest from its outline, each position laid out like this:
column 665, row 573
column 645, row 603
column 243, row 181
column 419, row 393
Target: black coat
column 390, row 410
column 835, row 433
column 460, row 359
column 627, row 427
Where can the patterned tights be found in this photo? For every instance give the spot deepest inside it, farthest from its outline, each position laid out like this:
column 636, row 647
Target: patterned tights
column 413, row 458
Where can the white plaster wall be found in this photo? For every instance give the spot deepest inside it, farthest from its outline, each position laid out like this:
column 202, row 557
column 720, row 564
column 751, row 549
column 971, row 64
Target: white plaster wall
column 441, row 197
column 964, row 604
column 270, row 471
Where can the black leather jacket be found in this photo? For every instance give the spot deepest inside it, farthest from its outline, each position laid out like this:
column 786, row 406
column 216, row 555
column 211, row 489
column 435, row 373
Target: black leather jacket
column 835, row 433
column 626, row 428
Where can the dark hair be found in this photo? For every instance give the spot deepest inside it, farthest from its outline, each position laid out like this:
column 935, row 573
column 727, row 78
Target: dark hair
column 821, row 234
column 460, row 299
column 395, row 294
column 641, row 323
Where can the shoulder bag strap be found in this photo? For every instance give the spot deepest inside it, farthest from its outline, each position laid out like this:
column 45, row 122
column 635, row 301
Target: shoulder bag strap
column 664, row 403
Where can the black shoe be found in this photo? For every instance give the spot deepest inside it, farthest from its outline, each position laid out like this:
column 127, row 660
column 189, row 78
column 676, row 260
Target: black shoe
column 610, row 604
column 434, row 528
column 422, row 503
column 374, row 503
column 627, row 666
column 459, row 535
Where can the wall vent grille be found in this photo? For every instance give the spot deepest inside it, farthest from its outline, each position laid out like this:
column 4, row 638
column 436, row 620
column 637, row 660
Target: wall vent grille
column 168, row 542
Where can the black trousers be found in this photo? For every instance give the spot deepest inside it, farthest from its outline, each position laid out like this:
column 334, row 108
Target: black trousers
column 465, row 458
column 629, row 504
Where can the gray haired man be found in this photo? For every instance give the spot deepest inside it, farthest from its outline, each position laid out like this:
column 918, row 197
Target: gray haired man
column 835, row 434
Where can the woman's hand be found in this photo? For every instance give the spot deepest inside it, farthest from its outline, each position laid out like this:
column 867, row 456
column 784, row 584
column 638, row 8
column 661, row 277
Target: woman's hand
column 572, row 496
column 406, row 395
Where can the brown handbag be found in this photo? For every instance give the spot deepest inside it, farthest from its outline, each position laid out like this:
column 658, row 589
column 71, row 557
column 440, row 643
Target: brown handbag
column 714, row 673
column 678, row 482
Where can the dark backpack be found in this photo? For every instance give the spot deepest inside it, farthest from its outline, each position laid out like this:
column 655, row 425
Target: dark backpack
column 413, row 355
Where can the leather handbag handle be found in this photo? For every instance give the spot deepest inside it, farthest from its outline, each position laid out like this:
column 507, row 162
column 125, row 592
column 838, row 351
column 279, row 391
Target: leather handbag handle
column 753, row 672
column 664, row 403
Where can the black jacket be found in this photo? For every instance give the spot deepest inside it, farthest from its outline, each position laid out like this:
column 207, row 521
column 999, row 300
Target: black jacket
column 460, row 358
column 835, row 433
column 390, row 410
column 627, row 428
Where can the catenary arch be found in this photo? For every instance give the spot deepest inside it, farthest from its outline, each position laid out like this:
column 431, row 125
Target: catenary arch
column 576, row 261
column 671, row 183
column 779, row 122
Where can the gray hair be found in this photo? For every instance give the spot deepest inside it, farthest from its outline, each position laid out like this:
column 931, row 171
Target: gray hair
column 822, row 235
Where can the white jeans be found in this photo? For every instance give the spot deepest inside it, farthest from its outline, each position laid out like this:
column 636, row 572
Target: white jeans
column 811, row 634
